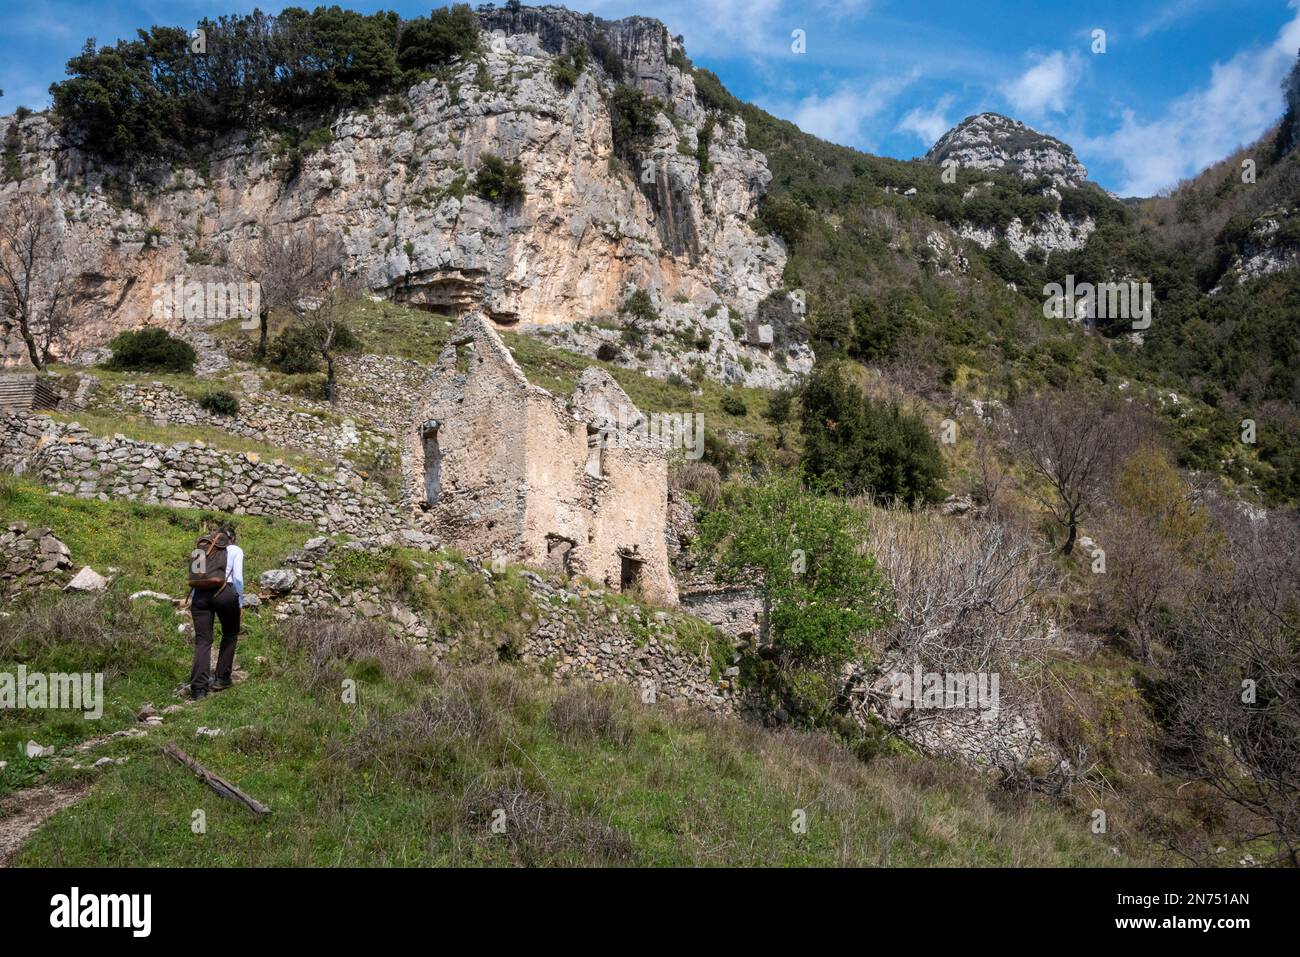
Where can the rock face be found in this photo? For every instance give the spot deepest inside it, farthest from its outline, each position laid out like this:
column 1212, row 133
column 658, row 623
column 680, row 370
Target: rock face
column 395, row 183
column 1048, row 233
column 1268, row 247
column 994, row 141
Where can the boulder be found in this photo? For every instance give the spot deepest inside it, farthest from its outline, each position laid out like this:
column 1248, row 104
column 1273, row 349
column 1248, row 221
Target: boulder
column 278, row 581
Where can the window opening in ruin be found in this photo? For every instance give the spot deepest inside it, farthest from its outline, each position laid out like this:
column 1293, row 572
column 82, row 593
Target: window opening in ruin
column 432, row 462
column 595, row 452
column 559, row 554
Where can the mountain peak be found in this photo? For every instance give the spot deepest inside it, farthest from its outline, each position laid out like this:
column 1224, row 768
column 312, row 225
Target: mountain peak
column 994, row 141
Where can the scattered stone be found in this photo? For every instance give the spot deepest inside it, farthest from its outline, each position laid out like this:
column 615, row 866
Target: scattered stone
column 35, row 750
column 207, row 732
column 277, row 581
column 87, row 580
column 155, row 595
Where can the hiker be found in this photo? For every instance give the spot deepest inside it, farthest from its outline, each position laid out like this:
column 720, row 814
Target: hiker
column 217, row 591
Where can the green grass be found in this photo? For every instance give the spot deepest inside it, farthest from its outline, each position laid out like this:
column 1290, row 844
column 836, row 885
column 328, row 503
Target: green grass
column 147, row 658
column 411, row 772
column 148, row 542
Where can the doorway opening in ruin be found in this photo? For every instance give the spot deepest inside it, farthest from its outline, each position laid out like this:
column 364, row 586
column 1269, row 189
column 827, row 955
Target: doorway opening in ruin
column 559, row 554
column 432, row 462
column 629, row 573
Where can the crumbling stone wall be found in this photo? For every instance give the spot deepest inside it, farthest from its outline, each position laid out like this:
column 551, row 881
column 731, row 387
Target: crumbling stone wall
column 186, row 475
column 574, row 631
column 497, row 466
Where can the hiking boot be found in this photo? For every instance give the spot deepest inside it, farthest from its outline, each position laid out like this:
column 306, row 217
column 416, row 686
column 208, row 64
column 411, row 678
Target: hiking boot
column 219, row 685
column 199, row 694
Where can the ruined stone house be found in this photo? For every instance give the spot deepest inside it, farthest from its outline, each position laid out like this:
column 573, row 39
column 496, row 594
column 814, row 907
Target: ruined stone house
column 496, row 466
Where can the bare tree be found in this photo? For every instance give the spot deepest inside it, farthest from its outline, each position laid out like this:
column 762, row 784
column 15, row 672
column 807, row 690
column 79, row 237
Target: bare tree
column 964, row 596
column 1075, row 443
column 33, row 276
column 325, row 328
column 1230, row 691
column 1159, row 543
column 290, row 265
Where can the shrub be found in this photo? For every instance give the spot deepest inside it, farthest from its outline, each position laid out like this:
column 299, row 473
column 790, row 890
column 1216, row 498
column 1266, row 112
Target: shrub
column 294, row 351
column 220, row 402
column 784, row 217
column 702, row 479
column 498, row 181
column 734, row 405
column 821, row 593
column 632, row 119
column 640, row 307
column 151, row 350
column 608, row 352
column 857, row 445
column 568, row 67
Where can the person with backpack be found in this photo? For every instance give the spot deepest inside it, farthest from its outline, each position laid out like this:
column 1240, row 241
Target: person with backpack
column 216, row 592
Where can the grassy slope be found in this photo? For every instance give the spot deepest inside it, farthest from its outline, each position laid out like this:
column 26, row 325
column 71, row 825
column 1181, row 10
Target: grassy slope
column 411, row 773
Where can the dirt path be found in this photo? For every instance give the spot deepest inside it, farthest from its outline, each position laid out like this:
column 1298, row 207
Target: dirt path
column 22, row 812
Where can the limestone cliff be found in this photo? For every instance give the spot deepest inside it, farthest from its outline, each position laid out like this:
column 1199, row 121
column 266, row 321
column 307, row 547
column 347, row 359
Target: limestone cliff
column 993, row 141
column 391, row 182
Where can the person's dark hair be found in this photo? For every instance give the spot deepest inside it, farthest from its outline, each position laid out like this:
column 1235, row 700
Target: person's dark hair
column 229, row 532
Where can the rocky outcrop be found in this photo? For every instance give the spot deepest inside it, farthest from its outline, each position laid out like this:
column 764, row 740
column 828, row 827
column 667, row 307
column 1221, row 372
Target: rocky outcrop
column 994, row 141
column 1047, row 234
column 393, row 182
column 1270, row 245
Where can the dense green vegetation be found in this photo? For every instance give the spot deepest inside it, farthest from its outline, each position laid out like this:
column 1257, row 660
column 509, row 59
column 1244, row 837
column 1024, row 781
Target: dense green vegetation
column 498, row 181
column 855, row 445
column 821, row 593
column 152, row 96
column 151, row 350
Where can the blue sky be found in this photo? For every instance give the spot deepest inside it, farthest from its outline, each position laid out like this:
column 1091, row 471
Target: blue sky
column 1181, row 83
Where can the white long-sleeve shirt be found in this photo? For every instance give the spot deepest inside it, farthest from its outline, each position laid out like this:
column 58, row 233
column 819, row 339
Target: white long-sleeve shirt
column 235, row 570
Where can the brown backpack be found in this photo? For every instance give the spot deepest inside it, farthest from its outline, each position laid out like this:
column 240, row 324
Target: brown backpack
column 208, row 562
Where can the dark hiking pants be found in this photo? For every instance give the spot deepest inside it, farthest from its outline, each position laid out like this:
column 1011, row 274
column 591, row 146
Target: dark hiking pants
column 205, row 606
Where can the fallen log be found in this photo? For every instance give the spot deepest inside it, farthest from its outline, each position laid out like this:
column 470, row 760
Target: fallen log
column 220, row 785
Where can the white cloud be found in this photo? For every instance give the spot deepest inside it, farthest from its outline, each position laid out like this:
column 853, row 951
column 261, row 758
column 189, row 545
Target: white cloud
column 928, row 125
column 1170, row 15
column 842, row 116
column 1241, row 101
column 1046, row 85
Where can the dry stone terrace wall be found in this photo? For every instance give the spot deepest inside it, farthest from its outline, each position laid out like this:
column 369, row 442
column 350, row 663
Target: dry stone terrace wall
column 573, row 631
column 188, row 475
column 377, row 390
column 257, row 419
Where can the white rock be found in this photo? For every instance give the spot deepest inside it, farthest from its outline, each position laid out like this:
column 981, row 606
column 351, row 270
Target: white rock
column 87, row 580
